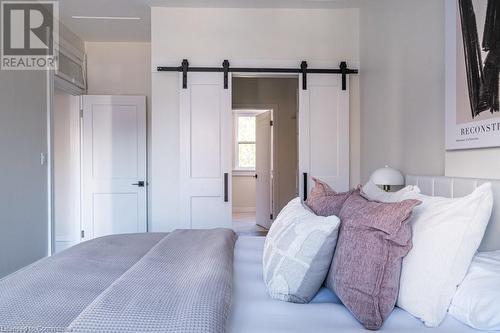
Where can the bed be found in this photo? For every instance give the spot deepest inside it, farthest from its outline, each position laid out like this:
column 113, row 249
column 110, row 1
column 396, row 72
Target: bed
column 253, row 311
column 160, row 282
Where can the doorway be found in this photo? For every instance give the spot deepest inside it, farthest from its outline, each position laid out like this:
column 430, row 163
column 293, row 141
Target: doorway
column 265, row 154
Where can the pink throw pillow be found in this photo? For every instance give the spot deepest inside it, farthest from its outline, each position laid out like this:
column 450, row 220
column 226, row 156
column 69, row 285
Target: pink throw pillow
column 374, row 238
column 324, row 201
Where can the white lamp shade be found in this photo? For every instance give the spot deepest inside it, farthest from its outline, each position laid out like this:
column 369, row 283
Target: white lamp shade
column 387, row 176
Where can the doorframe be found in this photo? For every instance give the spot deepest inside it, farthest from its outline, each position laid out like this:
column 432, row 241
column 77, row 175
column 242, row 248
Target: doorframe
column 264, row 107
column 266, row 75
column 50, row 155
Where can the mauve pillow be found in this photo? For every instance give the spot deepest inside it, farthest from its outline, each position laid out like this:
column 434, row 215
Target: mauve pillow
column 324, row 201
column 373, row 239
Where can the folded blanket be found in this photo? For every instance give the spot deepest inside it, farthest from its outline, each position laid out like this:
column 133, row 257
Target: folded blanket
column 177, row 282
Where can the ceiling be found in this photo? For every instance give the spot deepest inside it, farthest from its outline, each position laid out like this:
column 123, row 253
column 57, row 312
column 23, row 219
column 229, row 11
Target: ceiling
column 139, row 30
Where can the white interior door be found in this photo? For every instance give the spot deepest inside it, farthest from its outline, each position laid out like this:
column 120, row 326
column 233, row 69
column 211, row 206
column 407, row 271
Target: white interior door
column 263, row 169
column 114, row 165
column 323, row 132
column 205, row 151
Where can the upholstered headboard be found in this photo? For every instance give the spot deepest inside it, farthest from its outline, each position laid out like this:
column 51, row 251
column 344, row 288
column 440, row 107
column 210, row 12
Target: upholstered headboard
column 459, row 187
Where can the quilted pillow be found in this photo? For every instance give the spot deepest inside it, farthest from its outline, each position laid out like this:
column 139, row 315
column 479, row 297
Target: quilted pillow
column 298, row 252
column 324, row 201
column 373, row 239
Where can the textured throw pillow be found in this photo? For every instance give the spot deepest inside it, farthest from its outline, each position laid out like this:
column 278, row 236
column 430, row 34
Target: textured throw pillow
column 375, row 193
column 373, row 239
column 446, row 235
column 297, row 253
column 477, row 300
column 324, row 201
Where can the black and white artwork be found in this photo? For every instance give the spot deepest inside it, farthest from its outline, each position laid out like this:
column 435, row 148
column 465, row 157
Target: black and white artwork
column 473, row 72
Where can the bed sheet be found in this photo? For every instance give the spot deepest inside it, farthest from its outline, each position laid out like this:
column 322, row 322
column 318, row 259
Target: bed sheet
column 253, row 311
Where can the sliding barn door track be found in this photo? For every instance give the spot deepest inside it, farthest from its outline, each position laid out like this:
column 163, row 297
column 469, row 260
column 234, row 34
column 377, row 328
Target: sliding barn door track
column 225, row 69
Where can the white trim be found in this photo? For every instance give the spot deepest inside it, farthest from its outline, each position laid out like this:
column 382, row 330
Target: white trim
column 49, row 163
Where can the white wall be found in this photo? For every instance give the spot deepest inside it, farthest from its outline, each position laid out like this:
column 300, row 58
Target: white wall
column 256, row 37
column 403, row 93
column 121, row 68
column 244, row 193
column 402, row 86
column 477, row 163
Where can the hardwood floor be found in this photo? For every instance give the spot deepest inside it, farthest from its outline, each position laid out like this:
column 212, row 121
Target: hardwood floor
column 244, row 224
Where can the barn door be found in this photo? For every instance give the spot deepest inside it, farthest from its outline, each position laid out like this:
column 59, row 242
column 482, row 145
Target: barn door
column 323, row 132
column 205, row 151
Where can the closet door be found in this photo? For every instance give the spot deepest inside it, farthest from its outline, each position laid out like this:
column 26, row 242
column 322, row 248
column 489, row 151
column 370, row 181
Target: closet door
column 205, row 151
column 323, row 132
column 114, row 165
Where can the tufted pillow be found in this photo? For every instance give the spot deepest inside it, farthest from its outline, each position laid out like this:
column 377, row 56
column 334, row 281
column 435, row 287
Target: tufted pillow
column 373, row 239
column 298, row 252
column 324, row 201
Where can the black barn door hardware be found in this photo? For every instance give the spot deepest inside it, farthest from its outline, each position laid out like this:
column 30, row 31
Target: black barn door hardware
column 343, row 70
column 226, row 187
column 305, row 185
column 225, row 68
column 303, row 68
column 185, row 68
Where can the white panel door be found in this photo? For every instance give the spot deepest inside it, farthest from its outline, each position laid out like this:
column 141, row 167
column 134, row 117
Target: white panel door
column 205, row 151
column 263, row 169
column 114, row 165
column 323, row 132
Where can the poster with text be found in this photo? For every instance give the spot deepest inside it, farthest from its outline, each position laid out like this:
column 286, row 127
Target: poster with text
column 473, row 71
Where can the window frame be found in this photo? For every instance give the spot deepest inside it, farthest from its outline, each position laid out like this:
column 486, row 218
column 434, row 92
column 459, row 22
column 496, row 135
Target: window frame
column 236, row 115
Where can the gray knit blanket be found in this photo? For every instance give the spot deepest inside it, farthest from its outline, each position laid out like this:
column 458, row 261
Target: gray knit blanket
column 177, row 282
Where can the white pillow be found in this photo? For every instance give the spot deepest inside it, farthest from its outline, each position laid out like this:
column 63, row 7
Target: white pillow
column 298, row 252
column 446, row 235
column 375, row 193
column 477, row 300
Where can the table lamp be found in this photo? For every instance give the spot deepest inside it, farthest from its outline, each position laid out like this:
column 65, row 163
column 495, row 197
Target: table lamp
column 387, row 177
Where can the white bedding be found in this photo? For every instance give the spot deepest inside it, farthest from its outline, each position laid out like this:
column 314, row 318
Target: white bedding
column 253, row 311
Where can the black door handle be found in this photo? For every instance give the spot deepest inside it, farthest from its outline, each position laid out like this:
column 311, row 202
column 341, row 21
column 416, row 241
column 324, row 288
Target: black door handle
column 226, row 187
column 256, row 176
column 305, row 186
column 140, row 183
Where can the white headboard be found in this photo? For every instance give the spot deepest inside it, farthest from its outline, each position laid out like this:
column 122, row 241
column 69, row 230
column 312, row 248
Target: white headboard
column 459, row 187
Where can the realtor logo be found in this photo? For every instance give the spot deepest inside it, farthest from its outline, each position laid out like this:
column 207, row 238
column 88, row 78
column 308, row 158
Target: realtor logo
column 30, row 31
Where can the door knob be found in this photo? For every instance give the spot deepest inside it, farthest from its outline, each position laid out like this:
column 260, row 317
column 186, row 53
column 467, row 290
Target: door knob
column 140, row 183
column 256, row 176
